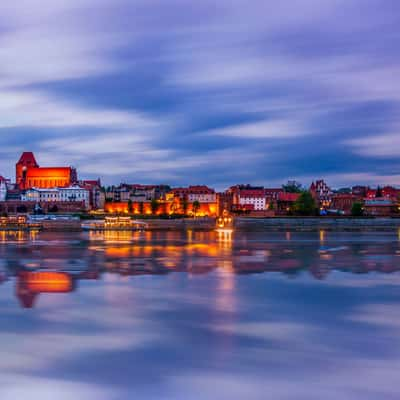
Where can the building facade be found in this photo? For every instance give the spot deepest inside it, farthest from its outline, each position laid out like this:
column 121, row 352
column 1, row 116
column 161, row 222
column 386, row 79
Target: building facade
column 29, row 174
column 248, row 198
column 3, row 188
column 322, row 193
column 69, row 194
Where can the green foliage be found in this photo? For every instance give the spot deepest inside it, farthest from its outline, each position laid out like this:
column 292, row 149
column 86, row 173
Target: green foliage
column 345, row 190
column 184, row 205
column 154, row 205
column 195, row 207
column 130, row 206
column 357, row 209
column 305, row 204
column 292, row 187
column 141, row 208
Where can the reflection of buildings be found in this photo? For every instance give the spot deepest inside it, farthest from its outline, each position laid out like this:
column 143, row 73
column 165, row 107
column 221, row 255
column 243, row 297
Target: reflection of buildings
column 49, row 269
column 30, row 284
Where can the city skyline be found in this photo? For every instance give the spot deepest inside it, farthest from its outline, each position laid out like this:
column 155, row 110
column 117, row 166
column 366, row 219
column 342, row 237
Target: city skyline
column 209, row 93
column 57, row 176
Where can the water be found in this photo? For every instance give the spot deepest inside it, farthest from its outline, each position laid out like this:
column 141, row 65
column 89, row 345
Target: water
column 200, row 316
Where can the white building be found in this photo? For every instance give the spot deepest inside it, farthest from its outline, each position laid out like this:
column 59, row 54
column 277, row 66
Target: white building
column 40, row 195
column 64, row 194
column 255, row 202
column 201, row 193
column 3, row 189
column 74, row 193
column 250, row 198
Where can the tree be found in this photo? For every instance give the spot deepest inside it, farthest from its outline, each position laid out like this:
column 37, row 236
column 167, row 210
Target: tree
column 305, row 204
column 141, row 208
column 378, row 192
column 292, row 187
column 357, row 209
column 184, row 205
column 130, row 206
column 173, row 207
column 271, row 206
column 154, row 205
column 195, row 207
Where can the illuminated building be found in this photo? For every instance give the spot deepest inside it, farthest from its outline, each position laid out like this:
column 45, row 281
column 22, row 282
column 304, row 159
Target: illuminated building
column 322, row 193
column 380, row 206
column 200, row 193
column 28, row 174
column 285, row 202
column 136, row 192
column 54, row 195
column 96, row 193
column 246, row 197
column 343, row 202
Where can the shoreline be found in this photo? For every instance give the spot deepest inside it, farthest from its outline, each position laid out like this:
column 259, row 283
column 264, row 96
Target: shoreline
column 308, row 224
column 244, row 224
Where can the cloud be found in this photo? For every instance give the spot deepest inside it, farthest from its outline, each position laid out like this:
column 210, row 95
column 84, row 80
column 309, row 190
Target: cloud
column 183, row 85
column 14, row 387
column 261, row 130
column 382, row 146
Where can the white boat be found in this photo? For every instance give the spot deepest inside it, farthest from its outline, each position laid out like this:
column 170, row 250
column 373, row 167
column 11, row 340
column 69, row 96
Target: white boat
column 115, row 223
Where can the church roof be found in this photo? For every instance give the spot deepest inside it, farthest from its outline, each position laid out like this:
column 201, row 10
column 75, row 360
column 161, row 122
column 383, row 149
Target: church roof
column 28, row 158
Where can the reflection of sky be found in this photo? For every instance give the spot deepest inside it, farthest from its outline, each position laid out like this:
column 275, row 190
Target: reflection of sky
column 212, row 335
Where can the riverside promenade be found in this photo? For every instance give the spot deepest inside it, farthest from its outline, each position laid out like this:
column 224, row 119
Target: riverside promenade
column 318, row 223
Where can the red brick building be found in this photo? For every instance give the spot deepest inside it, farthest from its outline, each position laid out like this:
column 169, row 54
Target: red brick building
column 321, row 192
column 343, row 202
column 29, row 174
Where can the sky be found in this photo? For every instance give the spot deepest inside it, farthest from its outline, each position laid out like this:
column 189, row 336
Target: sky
column 203, row 92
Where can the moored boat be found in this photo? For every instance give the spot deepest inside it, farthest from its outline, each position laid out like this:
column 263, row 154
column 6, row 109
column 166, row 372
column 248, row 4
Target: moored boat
column 115, row 223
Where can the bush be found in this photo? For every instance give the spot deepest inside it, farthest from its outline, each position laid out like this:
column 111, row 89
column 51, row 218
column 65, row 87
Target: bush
column 357, row 209
column 305, row 204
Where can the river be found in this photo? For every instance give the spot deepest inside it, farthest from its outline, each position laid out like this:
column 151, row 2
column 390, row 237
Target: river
column 199, row 315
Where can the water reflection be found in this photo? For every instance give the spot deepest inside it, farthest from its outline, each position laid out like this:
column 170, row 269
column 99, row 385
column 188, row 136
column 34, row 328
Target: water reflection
column 70, row 258
column 199, row 315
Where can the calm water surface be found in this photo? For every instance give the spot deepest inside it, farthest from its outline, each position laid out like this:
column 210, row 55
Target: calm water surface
column 199, row 316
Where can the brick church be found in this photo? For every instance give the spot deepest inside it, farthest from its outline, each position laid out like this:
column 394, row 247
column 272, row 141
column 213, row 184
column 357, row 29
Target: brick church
column 28, row 174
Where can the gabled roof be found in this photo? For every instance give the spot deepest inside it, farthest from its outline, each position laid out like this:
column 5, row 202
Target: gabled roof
column 28, row 158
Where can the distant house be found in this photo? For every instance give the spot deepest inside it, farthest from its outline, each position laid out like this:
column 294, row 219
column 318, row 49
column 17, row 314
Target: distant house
column 322, row 193
column 286, row 201
column 3, row 188
column 379, row 206
column 248, row 198
column 343, row 202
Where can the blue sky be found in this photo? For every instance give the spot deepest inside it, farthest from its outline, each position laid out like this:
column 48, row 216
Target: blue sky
column 209, row 92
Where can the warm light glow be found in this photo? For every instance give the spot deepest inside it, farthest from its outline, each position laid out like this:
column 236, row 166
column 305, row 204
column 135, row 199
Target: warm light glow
column 47, row 282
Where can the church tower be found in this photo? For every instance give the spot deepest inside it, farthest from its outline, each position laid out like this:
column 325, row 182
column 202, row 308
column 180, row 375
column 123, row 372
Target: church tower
column 27, row 160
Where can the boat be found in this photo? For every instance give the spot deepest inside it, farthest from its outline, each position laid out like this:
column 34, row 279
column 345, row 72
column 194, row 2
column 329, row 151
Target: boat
column 115, row 223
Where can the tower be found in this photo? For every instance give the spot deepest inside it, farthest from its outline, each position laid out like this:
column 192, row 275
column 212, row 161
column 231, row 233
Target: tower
column 27, row 160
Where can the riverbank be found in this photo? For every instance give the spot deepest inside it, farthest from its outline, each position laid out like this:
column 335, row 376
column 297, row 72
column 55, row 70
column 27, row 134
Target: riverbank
column 242, row 224
column 318, row 223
